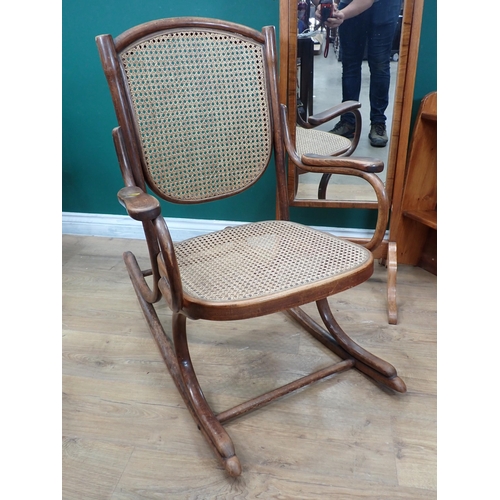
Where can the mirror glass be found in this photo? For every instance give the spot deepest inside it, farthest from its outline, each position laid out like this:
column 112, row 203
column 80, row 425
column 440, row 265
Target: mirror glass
column 319, row 87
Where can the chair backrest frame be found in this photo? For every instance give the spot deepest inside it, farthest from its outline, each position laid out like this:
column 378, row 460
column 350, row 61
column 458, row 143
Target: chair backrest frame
column 127, row 136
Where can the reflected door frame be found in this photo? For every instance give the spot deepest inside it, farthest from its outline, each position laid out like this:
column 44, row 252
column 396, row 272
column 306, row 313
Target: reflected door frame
column 403, row 99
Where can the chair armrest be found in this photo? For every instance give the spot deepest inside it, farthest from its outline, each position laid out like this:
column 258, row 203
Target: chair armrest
column 327, row 164
column 140, row 206
column 366, row 168
column 333, row 112
column 345, row 107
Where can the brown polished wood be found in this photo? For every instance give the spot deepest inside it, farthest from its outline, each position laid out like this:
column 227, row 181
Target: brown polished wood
column 243, row 272
column 365, row 168
column 268, row 397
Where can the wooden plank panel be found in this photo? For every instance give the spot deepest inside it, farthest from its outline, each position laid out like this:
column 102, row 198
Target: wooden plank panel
column 92, row 469
column 415, row 448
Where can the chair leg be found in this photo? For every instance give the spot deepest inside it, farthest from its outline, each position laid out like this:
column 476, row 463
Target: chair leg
column 213, row 430
column 184, row 377
column 392, row 269
column 323, row 185
column 178, row 361
column 355, row 350
column 335, row 339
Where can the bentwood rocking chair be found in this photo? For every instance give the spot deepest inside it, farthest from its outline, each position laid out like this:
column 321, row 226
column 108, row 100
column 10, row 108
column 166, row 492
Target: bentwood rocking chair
column 198, row 120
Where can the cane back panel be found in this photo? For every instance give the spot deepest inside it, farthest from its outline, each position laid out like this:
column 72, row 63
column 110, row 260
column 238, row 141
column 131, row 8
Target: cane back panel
column 201, row 108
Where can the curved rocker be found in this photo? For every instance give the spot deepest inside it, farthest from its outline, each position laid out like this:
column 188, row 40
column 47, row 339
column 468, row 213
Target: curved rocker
column 213, row 429
column 178, row 361
column 337, row 341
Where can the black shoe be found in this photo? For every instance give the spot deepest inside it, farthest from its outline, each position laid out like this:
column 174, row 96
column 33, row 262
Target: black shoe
column 378, row 135
column 343, row 128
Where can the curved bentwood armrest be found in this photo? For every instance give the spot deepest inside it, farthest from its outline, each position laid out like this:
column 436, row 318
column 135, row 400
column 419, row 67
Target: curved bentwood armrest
column 140, row 205
column 366, row 168
column 333, row 112
column 328, row 164
column 146, row 208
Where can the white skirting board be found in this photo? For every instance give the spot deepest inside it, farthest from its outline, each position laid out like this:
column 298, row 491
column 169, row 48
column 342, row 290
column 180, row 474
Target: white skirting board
column 122, row 226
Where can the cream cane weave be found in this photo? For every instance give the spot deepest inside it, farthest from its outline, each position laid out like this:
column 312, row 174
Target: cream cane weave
column 262, row 259
column 201, row 109
column 320, row 142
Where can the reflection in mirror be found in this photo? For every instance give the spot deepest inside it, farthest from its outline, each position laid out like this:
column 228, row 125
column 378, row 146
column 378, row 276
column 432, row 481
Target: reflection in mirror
column 319, row 87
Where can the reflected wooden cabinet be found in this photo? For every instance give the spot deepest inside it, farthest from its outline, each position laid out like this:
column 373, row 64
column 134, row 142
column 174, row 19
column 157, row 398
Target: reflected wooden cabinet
column 414, row 214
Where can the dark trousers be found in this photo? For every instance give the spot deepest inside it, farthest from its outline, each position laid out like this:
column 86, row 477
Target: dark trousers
column 374, row 29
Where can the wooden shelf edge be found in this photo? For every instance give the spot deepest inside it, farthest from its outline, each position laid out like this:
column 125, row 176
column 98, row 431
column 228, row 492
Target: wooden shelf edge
column 427, row 217
column 429, row 116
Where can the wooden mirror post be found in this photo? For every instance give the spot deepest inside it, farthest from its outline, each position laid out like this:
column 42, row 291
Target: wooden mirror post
column 399, row 137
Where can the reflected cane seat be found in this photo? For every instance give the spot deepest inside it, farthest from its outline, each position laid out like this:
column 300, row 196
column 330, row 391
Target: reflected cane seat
column 320, row 142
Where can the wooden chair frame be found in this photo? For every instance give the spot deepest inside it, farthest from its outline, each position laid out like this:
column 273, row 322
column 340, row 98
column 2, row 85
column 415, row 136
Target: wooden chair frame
column 165, row 279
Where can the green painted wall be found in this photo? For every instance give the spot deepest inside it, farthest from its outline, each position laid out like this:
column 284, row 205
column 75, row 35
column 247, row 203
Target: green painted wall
column 91, row 177
column 426, row 79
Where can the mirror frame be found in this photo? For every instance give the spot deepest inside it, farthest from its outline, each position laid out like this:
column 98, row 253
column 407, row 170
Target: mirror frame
column 403, row 98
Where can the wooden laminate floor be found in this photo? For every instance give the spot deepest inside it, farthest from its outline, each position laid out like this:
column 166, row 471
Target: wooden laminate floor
column 127, row 434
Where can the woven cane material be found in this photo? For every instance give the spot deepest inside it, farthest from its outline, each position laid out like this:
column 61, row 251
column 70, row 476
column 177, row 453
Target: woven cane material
column 320, row 142
column 262, row 259
column 201, row 108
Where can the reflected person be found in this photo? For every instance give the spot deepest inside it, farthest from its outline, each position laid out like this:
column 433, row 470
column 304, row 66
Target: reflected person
column 369, row 24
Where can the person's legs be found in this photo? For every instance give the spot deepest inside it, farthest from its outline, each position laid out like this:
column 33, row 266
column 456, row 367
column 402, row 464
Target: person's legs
column 381, row 30
column 353, row 35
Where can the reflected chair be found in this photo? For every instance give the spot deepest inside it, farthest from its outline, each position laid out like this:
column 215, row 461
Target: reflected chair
column 308, row 138
column 199, row 120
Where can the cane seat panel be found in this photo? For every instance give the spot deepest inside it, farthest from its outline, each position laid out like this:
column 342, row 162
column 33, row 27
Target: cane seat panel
column 320, row 142
column 264, row 259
